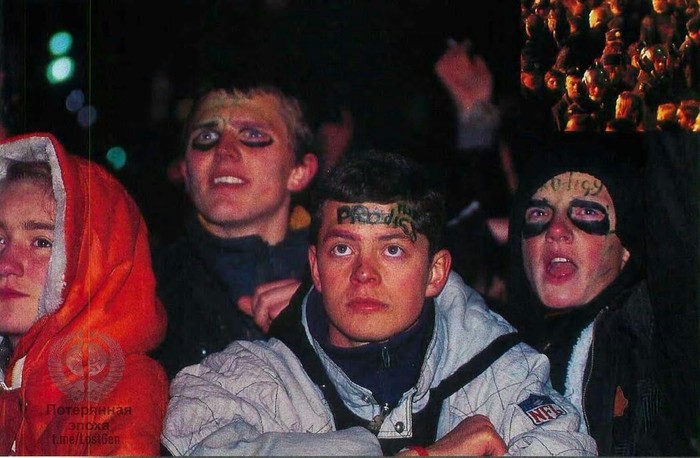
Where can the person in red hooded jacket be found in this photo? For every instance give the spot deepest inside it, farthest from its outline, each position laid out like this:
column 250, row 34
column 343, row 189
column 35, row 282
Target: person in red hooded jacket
column 78, row 310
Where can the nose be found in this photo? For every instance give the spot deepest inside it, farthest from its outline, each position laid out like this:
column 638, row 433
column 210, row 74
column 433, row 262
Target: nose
column 10, row 261
column 559, row 230
column 365, row 271
column 228, row 148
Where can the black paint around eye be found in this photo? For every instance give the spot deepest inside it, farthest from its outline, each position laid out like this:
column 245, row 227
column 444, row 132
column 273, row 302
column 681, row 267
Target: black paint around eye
column 257, row 143
column 535, row 229
column 204, row 146
column 594, row 227
column 601, row 227
column 532, row 229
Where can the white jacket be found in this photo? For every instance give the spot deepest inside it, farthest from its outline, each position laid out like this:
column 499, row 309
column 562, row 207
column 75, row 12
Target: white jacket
column 254, row 398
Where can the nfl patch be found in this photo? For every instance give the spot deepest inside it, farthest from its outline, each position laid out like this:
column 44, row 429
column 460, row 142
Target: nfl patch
column 541, row 409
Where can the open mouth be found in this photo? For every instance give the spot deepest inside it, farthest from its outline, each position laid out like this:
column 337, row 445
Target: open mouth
column 560, row 267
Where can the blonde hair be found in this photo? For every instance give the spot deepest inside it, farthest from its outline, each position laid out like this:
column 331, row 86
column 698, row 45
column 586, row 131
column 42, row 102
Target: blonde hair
column 666, row 112
column 629, row 106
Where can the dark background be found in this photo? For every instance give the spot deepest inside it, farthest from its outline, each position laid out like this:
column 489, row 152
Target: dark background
column 138, row 60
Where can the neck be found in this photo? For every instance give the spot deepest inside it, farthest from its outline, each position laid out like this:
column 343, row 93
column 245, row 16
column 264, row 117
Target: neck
column 272, row 229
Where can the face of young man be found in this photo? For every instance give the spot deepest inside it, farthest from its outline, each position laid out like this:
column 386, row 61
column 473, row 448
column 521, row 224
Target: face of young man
column 373, row 271
column 570, row 251
column 659, row 6
column 240, row 168
column 573, row 83
column 27, row 213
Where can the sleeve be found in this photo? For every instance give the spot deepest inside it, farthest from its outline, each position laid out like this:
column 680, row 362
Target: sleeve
column 532, row 418
column 254, row 398
column 477, row 128
column 145, row 391
column 127, row 422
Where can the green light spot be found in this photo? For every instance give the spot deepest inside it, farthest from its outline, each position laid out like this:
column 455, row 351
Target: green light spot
column 116, row 156
column 60, row 43
column 60, row 70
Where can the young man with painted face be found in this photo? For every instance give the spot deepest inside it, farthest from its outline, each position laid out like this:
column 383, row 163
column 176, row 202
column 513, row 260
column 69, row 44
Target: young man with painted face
column 576, row 289
column 238, row 262
column 387, row 352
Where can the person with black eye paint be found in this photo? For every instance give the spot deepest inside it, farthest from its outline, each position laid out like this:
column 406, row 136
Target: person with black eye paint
column 577, row 289
column 246, row 152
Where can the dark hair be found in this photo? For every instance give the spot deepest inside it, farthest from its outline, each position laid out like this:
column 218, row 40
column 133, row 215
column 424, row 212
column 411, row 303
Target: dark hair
column 383, row 178
column 20, row 170
column 300, row 135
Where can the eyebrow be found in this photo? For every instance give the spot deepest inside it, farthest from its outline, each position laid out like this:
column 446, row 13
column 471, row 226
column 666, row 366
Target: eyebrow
column 237, row 123
column 340, row 233
column 206, row 125
column 37, row 226
column 539, row 203
column 343, row 234
column 397, row 236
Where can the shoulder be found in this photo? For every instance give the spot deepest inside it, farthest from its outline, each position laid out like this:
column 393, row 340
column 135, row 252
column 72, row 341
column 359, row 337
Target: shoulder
column 636, row 312
column 297, row 237
column 258, row 383
column 461, row 302
column 240, row 365
column 464, row 324
column 171, row 258
column 172, row 251
column 143, row 386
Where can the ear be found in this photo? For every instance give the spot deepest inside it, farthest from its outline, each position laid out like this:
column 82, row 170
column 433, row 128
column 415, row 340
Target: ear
column 313, row 263
column 303, row 173
column 439, row 271
column 182, row 166
column 625, row 257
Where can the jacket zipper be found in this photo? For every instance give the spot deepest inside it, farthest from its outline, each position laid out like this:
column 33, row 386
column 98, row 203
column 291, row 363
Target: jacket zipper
column 376, row 423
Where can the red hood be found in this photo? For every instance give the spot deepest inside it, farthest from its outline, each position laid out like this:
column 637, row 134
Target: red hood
column 100, row 283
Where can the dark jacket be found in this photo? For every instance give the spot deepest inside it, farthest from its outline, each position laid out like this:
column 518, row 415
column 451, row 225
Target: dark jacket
column 620, row 390
column 200, row 279
column 690, row 64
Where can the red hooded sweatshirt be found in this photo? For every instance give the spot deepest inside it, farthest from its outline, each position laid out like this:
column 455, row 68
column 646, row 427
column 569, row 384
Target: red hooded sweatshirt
column 79, row 381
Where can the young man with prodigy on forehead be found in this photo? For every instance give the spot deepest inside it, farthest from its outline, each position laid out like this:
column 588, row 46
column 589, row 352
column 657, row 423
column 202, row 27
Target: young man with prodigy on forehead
column 387, row 353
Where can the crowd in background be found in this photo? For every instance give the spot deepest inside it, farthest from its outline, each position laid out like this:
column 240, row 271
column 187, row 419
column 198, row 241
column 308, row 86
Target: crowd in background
column 611, row 65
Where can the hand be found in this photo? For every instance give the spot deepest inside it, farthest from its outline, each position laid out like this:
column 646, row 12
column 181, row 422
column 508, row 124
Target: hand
column 268, row 300
column 474, row 436
column 468, row 79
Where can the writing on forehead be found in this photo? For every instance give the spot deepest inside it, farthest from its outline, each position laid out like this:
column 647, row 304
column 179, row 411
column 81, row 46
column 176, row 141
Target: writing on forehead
column 588, row 186
column 401, row 216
